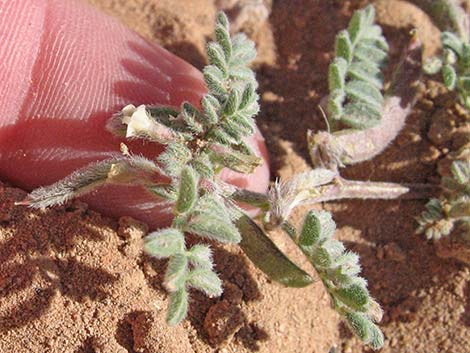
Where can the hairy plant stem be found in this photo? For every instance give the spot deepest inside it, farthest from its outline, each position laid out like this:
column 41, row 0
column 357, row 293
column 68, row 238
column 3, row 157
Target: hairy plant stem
column 348, row 189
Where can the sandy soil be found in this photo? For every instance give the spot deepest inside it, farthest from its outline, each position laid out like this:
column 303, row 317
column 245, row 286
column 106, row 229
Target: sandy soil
column 74, row 281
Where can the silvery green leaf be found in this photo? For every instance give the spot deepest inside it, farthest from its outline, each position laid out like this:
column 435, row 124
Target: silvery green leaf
column 366, row 93
column 192, row 117
column 365, row 329
column 213, row 78
column 251, row 110
column 449, row 57
column 450, row 76
column 212, row 205
column 376, row 337
column 235, row 160
column 221, row 137
column 242, row 74
column 364, row 50
column 175, row 156
column 218, row 229
column 244, row 148
column 354, row 296
column 203, row 165
column 343, row 46
column 249, row 96
column 433, row 222
column 335, row 104
column 244, row 56
column 369, row 15
column 466, row 100
column 176, row 273
column 345, row 281
column 239, row 40
column 178, row 307
column 167, row 192
column 158, row 111
column 188, row 189
column 318, row 225
column 200, row 256
column 244, row 122
column 232, row 129
column 211, row 106
column 216, row 57
column 453, row 42
column 359, row 324
column 337, row 74
column 355, row 26
column 222, row 36
column 369, row 74
column 164, row 243
column 435, row 211
column 206, row 281
column 222, row 19
column 461, row 171
column 321, row 258
column 334, row 247
column 231, row 105
column 243, row 50
column 360, row 115
column 377, row 39
column 348, row 263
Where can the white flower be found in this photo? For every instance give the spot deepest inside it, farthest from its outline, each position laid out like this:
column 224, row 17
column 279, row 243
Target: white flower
column 284, row 196
column 137, row 120
column 141, row 125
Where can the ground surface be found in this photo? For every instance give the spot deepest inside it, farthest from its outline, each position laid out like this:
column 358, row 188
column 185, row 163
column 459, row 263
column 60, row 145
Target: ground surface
column 73, row 281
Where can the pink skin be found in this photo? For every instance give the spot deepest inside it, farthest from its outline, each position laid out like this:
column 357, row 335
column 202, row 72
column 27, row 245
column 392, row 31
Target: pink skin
column 65, row 68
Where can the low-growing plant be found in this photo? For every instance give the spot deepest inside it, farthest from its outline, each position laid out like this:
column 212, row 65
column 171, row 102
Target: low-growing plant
column 454, row 63
column 450, row 212
column 200, row 142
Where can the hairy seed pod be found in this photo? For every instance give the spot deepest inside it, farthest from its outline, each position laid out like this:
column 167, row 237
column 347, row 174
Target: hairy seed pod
column 333, row 150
